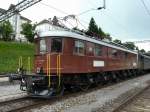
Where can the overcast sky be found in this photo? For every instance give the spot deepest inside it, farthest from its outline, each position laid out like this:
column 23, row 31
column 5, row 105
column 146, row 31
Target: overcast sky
column 126, row 20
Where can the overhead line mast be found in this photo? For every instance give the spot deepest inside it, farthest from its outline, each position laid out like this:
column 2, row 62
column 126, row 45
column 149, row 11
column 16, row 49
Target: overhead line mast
column 24, row 4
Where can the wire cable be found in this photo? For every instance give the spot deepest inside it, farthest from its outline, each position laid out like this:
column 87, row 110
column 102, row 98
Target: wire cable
column 146, row 8
column 52, row 7
column 82, row 25
column 92, row 9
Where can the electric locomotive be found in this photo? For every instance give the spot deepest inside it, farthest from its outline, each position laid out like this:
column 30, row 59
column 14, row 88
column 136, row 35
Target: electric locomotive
column 66, row 59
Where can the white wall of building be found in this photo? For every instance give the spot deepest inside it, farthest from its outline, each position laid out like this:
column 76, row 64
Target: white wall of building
column 16, row 22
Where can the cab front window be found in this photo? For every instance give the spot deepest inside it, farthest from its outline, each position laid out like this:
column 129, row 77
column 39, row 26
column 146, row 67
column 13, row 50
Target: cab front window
column 56, row 45
column 42, row 46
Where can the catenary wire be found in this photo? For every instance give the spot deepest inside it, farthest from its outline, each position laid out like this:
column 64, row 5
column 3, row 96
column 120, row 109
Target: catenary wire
column 63, row 12
column 146, row 8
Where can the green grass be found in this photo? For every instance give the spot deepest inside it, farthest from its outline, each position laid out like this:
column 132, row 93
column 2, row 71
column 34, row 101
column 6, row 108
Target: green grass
column 10, row 53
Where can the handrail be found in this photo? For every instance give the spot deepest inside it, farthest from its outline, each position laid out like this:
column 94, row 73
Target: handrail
column 49, row 69
column 20, row 62
column 59, row 69
column 29, row 65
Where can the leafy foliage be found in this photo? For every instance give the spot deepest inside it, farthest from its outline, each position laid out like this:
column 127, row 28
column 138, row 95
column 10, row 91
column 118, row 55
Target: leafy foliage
column 142, row 51
column 6, row 30
column 55, row 21
column 77, row 29
column 28, row 31
column 101, row 33
column 107, row 36
column 94, row 30
column 130, row 45
column 117, row 41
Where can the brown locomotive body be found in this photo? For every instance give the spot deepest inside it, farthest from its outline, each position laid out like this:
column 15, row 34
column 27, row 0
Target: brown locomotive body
column 81, row 54
column 69, row 60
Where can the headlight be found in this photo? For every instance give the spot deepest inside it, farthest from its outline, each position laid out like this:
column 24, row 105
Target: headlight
column 23, row 81
column 38, row 70
column 18, row 69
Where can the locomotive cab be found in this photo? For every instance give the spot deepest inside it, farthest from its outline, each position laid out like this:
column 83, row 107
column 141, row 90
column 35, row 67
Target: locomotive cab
column 44, row 47
column 45, row 81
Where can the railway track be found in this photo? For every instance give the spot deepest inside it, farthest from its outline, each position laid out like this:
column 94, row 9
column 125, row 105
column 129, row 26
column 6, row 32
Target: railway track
column 27, row 103
column 21, row 104
column 139, row 102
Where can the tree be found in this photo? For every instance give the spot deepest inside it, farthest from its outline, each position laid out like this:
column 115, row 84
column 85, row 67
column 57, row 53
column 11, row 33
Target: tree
column 117, row 41
column 75, row 28
column 107, row 36
column 55, row 21
column 28, row 31
column 93, row 28
column 130, row 45
column 101, row 33
column 6, row 30
column 1, row 29
column 137, row 48
column 142, row 51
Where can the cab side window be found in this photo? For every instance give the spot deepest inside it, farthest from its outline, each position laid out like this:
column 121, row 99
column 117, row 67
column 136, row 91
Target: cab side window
column 79, row 47
column 114, row 53
column 98, row 50
column 56, row 45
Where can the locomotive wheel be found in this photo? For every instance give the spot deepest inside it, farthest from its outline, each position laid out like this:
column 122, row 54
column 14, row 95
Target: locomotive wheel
column 84, row 87
column 71, row 88
column 60, row 90
column 104, row 78
column 96, row 79
column 119, row 76
column 124, row 74
column 129, row 74
column 113, row 77
column 85, row 82
column 133, row 73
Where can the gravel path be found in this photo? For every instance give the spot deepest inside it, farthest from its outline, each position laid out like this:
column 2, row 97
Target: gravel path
column 2, row 79
column 5, row 81
column 8, row 92
column 94, row 101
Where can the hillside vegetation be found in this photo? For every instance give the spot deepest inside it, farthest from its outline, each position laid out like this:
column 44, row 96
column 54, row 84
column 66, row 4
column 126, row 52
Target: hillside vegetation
column 10, row 53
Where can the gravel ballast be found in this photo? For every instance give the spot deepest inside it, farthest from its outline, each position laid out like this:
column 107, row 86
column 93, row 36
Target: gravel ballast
column 98, row 100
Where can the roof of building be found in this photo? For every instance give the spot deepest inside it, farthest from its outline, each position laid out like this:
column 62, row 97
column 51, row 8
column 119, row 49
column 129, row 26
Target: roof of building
column 24, row 18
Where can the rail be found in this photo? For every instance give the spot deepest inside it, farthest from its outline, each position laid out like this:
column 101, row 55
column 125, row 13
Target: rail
column 20, row 104
column 129, row 99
